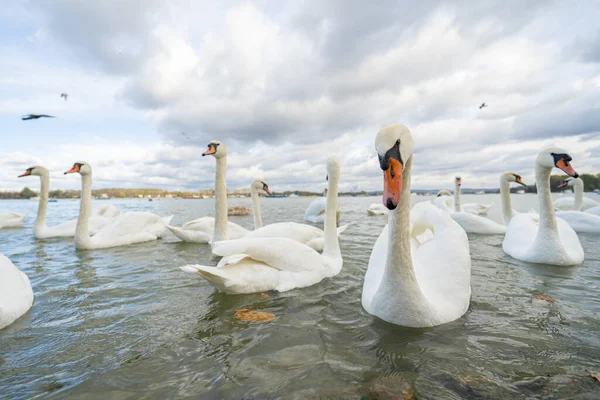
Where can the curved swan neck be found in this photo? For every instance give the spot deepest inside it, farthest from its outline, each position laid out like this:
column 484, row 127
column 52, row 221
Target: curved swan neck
column 82, row 234
column 331, row 246
column 256, row 208
column 457, row 206
column 547, row 215
column 40, row 220
column 578, row 188
column 220, row 232
column 507, row 213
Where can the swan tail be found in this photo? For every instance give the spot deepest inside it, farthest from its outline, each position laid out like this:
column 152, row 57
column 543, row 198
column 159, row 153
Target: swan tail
column 188, row 235
column 168, row 219
column 341, row 229
column 215, row 276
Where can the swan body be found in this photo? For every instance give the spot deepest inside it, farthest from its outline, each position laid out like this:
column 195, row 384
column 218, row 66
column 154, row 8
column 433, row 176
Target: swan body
column 577, row 202
column 544, row 238
column 581, row 222
column 258, row 264
column 129, row 228
column 315, row 212
column 11, row 219
column 100, row 218
column 593, row 210
column 420, row 269
column 16, row 295
column 302, row 233
column 471, row 208
column 209, row 229
column 377, row 209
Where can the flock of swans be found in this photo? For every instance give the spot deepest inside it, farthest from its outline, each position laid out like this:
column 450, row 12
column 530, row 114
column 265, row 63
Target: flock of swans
column 419, row 272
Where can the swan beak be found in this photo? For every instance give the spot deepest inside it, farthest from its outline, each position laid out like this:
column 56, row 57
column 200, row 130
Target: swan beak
column 563, row 185
column 73, row 170
column 392, row 184
column 266, row 189
column 458, row 181
column 27, row 173
column 211, row 150
column 520, row 182
column 566, row 167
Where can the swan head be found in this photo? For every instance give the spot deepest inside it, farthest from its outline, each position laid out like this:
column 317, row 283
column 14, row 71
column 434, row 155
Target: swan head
column 81, row 167
column 556, row 157
column 394, row 146
column 443, row 193
column 216, row 149
column 513, row 177
column 260, row 185
column 458, row 181
column 36, row 170
column 333, row 167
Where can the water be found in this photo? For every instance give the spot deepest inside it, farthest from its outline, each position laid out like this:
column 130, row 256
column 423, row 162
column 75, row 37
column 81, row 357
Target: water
column 127, row 323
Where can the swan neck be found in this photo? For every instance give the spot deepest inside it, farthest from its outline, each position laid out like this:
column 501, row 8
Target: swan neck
column 82, row 234
column 578, row 187
column 40, row 220
column 331, row 242
column 457, row 206
column 220, row 232
column 256, row 208
column 507, row 213
column 547, row 214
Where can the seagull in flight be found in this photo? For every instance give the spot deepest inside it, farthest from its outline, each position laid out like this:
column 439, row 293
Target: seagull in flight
column 186, row 136
column 64, row 95
column 35, row 116
column 482, row 105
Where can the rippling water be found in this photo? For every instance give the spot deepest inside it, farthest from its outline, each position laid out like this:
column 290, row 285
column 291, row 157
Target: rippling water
column 127, row 323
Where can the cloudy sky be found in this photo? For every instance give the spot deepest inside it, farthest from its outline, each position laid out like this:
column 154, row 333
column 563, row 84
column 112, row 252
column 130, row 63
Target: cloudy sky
column 285, row 84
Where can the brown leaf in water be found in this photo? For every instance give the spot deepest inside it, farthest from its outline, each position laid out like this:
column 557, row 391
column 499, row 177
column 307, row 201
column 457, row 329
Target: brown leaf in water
column 467, row 380
column 549, row 299
column 254, row 316
column 595, row 375
column 264, row 295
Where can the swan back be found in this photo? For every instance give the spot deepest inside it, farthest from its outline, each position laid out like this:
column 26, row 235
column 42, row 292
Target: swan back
column 16, row 295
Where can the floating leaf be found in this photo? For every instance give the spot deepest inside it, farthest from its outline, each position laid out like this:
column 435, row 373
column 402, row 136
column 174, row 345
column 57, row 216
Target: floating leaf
column 595, row 375
column 254, row 316
column 264, row 295
column 467, row 380
column 549, row 299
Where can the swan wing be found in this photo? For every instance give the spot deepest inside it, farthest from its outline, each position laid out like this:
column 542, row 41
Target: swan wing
column 570, row 241
column 589, row 203
column 16, row 295
column 564, row 203
column 476, row 208
column 520, row 234
column 11, row 219
column 375, row 269
column 583, row 222
column 299, row 232
column 131, row 227
column 593, row 210
column 472, row 223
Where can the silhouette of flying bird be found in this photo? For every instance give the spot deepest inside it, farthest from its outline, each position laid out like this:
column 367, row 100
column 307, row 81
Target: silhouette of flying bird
column 186, row 136
column 36, row 116
column 64, row 95
column 482, row 105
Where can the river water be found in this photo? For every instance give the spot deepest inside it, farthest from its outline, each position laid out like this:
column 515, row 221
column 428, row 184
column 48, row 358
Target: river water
column 126, row 323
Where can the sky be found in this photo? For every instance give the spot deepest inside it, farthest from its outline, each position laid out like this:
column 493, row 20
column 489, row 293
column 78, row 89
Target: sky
column 286, row 84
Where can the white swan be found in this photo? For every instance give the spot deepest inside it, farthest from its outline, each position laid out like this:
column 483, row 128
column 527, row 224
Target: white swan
column 593, row 210
column 471, row 223
column 129, row 228
column 472, row 208
column 419, row 275
column 581, row 222
column 377, row 209
column 16, row 295
column 251, row 265
column 507, row 211
column 202, row 230
column 66, row 229
column 315, row 212
column 577, row 202
column 544, row 239
column 11, row 219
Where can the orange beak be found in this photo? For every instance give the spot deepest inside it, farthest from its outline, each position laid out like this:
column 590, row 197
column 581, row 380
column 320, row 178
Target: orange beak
column 520, row 182
column 392, row 184
column 211, row 150
column 563, row 185
column 566, row 167
column 27, row 173
column 459, row 181
column 266, row 189
column 73, row 170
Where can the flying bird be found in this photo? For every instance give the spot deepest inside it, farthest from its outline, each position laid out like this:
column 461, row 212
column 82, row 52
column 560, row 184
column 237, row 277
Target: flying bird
column 186, row 136
column 36, row 116
column 482, row 105
column 64, row 95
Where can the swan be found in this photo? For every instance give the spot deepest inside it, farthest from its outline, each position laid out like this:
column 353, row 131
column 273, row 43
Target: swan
column 581, row 222
column 102, row 217
column 472, row 208
column 593, row 210
column 251, row 265
column 576, row 203
column 129, row 228
column 202, row 230
column 507, row 211
column 377, row 209
column 420, row 269
column 11, row 219
column 544, row 239
column 315, row 212
column 16, row 295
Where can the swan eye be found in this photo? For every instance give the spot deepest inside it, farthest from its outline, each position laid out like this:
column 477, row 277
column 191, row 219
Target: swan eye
column 392, row 174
